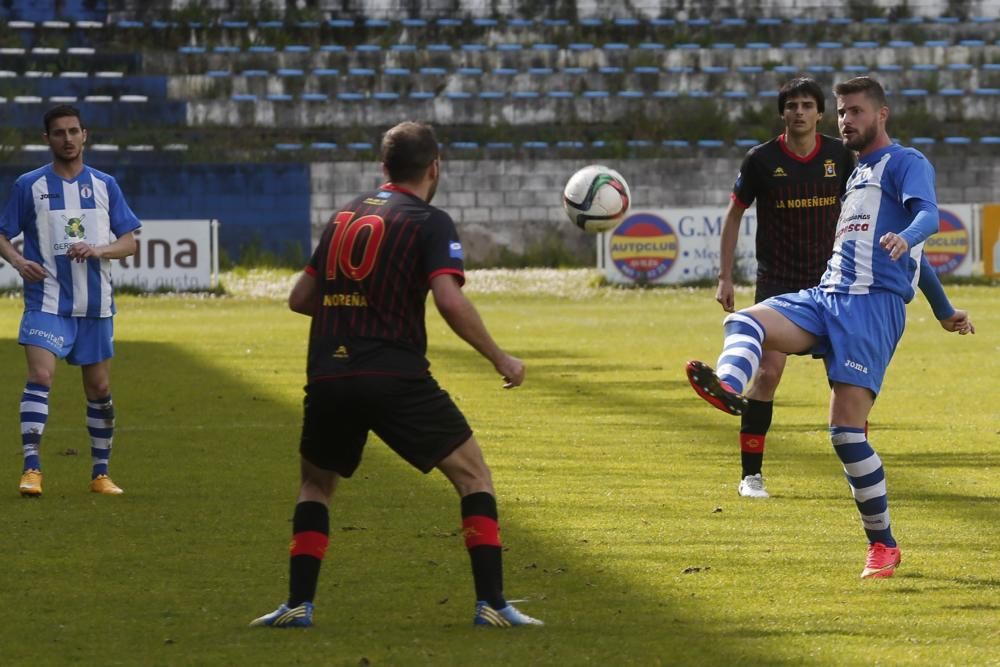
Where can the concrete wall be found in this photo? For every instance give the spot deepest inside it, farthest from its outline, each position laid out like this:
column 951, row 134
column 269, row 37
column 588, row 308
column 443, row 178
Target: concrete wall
column 515, row 204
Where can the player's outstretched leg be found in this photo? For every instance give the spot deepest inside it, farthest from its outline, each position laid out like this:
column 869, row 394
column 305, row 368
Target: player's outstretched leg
column 34, row 415
column 716, row 392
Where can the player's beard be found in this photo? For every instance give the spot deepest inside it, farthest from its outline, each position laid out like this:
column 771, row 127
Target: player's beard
column 861, row 139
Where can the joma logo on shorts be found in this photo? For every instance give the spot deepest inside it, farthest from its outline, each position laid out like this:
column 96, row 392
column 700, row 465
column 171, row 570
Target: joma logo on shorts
column 856, row 366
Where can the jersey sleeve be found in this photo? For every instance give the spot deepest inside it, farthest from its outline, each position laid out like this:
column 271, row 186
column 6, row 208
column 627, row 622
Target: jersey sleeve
column 11, row 219
column 917, row 179
column 745, row 189
column 123, row 220
column 443, row 251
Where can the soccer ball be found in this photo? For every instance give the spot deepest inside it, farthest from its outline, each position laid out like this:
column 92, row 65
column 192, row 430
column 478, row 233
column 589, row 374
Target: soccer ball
column 596, row 198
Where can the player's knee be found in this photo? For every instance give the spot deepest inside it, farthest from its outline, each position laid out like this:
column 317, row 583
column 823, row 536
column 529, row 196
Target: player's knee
column 767, row 378
column 42, row 376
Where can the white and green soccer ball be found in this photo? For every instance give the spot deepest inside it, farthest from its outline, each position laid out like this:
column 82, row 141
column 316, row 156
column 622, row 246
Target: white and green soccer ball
column 596, row 198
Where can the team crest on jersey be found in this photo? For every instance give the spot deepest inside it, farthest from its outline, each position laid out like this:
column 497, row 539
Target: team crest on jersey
column 829, row 169
column 779, row 172
column 74, row 227
column 86, row 192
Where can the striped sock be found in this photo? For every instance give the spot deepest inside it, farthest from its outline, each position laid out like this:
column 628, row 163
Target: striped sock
column 482, row 539
column 741, row 350
column 101, row 426
column 34, row 415
column 866, row 476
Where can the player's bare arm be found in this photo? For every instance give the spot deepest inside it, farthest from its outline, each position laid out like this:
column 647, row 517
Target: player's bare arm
column 124, row 246
column 302, row 298
column 30, row 272
column 727, row 255
column 464, row 320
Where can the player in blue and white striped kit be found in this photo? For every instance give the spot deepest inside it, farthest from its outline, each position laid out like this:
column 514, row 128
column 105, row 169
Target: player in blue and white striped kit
column 74, row 220
column 855, row 317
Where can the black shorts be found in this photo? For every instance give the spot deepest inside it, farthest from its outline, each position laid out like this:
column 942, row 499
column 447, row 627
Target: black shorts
column 767, row 290
column 413, row 415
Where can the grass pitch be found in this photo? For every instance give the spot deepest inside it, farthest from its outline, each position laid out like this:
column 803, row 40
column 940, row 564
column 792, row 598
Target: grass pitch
column 617, row 491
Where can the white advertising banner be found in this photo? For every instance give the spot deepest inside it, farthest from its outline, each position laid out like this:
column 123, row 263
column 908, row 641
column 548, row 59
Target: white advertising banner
column 171, row 255
column 681, row 245
column 671, row 246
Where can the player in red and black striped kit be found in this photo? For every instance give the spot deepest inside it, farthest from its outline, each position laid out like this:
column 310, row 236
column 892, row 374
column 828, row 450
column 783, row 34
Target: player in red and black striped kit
column 365, row 289
column 797, row 181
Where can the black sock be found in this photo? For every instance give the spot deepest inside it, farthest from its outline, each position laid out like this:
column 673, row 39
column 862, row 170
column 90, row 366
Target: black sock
column 755, row 423
column 482, row 539
column 310, row 537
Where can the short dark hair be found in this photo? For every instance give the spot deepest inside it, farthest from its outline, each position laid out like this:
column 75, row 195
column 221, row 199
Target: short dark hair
column 863, row 84
column 408, row 149
column 801, row 86
column 61, row 111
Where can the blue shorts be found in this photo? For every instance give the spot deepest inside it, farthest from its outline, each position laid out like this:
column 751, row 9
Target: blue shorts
column 856, row 334
column 79, row 340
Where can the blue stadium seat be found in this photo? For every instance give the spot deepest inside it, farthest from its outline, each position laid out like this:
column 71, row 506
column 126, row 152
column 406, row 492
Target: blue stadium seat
column 297, row 48
column 438, row 47
column 573, row 145
column 414, row 23
column 770, row 92
column 308, row 25
column 332, row 48
column 473, row 48
column 675, row 143
column 599, row 143
column 314, row 97
column 368, row 48
column 350, row 97
column 986, row 91
column 786, row 69
column 687, row 46
column 520, row 23
column 525, row 95
column 699, row 23
column 360, row 146
column 982, row 19
column 651, row 46
column 864, row 44
column 989, row 140
column 385, row 96
column 594, row 94
column 217, row 73
column 960, row 66
column 820, row 69
column 540, row 71
column 535, row 144
column 396, row 71
column 560, row 94
column 470, row 71
column 746, row 143
column 711, row 143
column 829, row 45
column 492, row 95
column 900, row 44
column 631, row 94
column 922, row 141
column 947, row 19
column 484, row 22
column 735, row 94
column 361, row 71
column 244, row 97
column 610, row 70
column 768, row 21
column 645, row 70
column 581, row 46
column 638, row 143
column 260, row 48
column 722, row 46
column 290, row 71
column 758, row 45
column 255, row 73
column 713, row 69
column 913, row 92
column 733, row 22
column 279, row 97
column 890, row 68
column 403, row 48
column 951, row 92
column 421, row 95
column 680, row 69
column 876, row 20
column 458, row 95
column 323, row 146
column 957, row 141
column 666, row 94
column 793, row 45
column 505, row 71
column 575, row 70
column 507, row 46
column 225, row 49
column 803, row 21
column 555, row 23
column 943, row 43
column 592, row 22
column 857, row 69
column 449, row 23
column 991, row 67
column 925, row 67
column 326, row 71
column 542, row 46
column 500, row 145
column 700, row 93
column 433, row 71
column 191, row 49
column 615, row 46
column 235, row 25
column 749, row 69
column 627, row 22
column 130, row 25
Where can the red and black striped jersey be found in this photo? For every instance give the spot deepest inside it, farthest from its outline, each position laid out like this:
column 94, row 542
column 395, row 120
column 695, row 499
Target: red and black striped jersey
column 798, row 203
column 373, row 268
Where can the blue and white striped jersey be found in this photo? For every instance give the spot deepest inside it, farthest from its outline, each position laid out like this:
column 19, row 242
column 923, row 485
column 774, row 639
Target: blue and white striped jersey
column 53, row 214
column 874, row 204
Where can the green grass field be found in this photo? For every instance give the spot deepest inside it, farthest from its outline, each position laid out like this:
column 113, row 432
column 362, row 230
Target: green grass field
column 617, row 491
